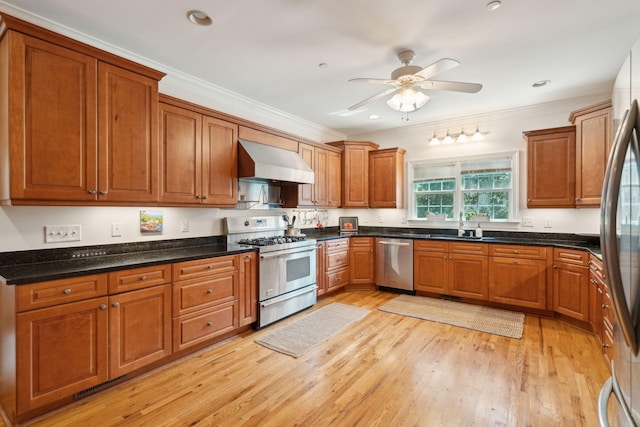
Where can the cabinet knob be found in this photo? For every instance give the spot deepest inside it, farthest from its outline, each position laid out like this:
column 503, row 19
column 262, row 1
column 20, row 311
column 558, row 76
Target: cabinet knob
column 92, row 192
column 67, row 291
column 205, row 197
column 528, row 200
column 247, row 258
column 515, row 261
column 198, row 197
column 366, row 203
column 209, row 291
column 515, row 251
column 209, row 323
column 143, row 277
column 209, row 267
column 605, row 306
column 445, row 257
column 555, row 266
column 577, row 199
column 115, row 304
column 605, row 345
column 103, row 192
column 102, row 306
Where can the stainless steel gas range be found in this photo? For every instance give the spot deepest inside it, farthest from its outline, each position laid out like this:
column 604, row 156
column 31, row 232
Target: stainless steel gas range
column 287, row 264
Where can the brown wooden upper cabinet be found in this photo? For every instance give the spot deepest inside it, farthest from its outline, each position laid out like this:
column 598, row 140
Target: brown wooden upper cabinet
column 551, row 167
column 81, row 123
column 325, row 191
column 386, row 178
column 355, row 172
column 593, row 145
column 199, row 163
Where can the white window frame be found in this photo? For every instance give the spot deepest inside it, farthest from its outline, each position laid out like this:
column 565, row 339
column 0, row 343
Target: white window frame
column 457, row 161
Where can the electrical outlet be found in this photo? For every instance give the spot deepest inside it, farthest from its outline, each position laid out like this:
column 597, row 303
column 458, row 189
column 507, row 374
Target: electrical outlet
column 184, row 225
column 527, row 221
column 62, row 233
column 380, row 219
column 116, row 229
column 403, row 220
column 548, row 223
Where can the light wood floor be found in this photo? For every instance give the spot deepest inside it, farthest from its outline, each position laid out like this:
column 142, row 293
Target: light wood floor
column 386, row 370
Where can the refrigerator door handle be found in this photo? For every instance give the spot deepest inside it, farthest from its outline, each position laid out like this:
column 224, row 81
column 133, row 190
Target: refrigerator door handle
column 610, row 387
column 608, row 223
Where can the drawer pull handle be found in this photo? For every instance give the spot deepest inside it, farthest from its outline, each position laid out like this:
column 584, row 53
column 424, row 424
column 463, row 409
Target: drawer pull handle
column 143, row 277
column 92, row 192
column 67, row 291
column 605, row 306
column 515, row 261
column 115, row 304
column 209, row 323
column 209, row 267
column 515, row 251
column 102, row 306
column 209, row 291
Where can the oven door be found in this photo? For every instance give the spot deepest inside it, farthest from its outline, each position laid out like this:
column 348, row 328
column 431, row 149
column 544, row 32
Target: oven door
column 286, row 270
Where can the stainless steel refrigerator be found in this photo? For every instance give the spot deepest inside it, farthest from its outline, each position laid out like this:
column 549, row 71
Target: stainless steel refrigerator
column 620, row 242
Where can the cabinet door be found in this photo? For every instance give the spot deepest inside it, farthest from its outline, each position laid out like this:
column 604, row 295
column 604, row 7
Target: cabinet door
column 334, row 179
column 139, row 329
column 361, row 271
column 128, row 139
column 220, row 167
column 248, row 294
column 551, row 168
column 386, row 176
column 47, row 370
column 596, row 309
column 356, row 176
column 593, row 143
column 431, row 272
column 306, row 191
column 517, row 281
column 180, row 155
column 53, row 127
column 468, row 276
column 571, row 291
column 321, row 169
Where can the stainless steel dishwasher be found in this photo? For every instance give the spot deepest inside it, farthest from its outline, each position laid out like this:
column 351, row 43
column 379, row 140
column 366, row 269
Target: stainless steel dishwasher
column 394, row 263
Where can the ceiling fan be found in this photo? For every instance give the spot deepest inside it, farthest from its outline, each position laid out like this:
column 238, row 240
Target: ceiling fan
column 409, row 79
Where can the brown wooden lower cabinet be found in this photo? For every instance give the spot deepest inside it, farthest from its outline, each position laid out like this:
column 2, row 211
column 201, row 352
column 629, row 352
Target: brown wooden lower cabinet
column 571, row 283
column 336, row 264
column 518, row 275
column 361, row 261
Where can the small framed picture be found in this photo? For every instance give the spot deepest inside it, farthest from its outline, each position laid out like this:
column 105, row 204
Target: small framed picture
column 151, row 221
column 348, row 223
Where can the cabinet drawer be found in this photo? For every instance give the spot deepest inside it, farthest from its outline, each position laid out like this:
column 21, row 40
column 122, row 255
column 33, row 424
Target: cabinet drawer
column 518, row 251
column 196, row 294
column 203, row 267
column 469, row 248
column 61, row 291
column 431, row 245
column 607, row 310
column 139, row 278
column 337, row 279
column 361, row 241
column 571, row 256
column 337, row 244
column 337, row 259
column 203, row 325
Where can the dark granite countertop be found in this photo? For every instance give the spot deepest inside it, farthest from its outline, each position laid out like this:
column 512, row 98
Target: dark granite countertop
column 565, row 240
column 23, row 267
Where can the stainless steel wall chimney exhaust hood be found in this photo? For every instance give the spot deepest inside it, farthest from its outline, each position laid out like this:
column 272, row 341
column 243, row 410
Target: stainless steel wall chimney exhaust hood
column 260, row 161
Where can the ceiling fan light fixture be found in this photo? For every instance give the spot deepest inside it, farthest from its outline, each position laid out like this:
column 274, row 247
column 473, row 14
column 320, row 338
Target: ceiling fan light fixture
column 407, row 100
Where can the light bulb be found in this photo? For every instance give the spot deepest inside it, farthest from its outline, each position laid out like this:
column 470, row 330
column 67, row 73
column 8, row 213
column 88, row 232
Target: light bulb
column 447, row 138
column 462, row 137
column 477, row 135
column 434, row 139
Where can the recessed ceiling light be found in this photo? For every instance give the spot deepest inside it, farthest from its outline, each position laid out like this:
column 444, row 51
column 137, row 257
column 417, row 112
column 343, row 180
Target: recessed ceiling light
column 199, row 17
column 541, row 83
column 323, row 65
column 493, row 5
column 374, row 116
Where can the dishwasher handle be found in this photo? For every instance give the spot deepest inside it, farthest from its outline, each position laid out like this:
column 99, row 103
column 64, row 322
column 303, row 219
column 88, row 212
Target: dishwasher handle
column 382, row 242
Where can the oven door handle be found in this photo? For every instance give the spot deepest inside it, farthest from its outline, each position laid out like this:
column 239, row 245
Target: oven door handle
column 288, row 296
column 287, row 252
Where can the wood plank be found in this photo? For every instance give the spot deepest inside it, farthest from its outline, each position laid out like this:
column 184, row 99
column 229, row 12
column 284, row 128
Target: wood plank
column 384, row 370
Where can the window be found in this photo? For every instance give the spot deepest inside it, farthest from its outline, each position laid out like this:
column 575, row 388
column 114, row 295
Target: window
column 471, row 186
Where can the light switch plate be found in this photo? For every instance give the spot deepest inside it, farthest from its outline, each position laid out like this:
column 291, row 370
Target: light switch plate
column 548, row 223
column 62, row 233
column 184, row 225
column 116, row 229
column 527, row 221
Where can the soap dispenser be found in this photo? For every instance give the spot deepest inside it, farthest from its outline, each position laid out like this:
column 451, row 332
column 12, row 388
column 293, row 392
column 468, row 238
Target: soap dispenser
column 478, row 231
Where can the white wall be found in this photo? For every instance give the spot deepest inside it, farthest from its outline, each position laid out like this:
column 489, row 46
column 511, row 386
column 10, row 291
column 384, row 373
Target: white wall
column 22, row 227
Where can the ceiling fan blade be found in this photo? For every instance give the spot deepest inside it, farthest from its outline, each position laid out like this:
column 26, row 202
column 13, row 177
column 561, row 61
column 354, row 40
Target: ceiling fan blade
column 380, row 95
column 361, row 80
column 451, row 86
column 437, row 67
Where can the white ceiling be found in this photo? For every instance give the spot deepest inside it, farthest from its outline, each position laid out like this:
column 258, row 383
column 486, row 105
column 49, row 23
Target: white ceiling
column 270, row 51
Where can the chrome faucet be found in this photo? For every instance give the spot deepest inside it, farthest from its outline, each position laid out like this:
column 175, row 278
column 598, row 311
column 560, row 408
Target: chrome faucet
column 461, row 226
